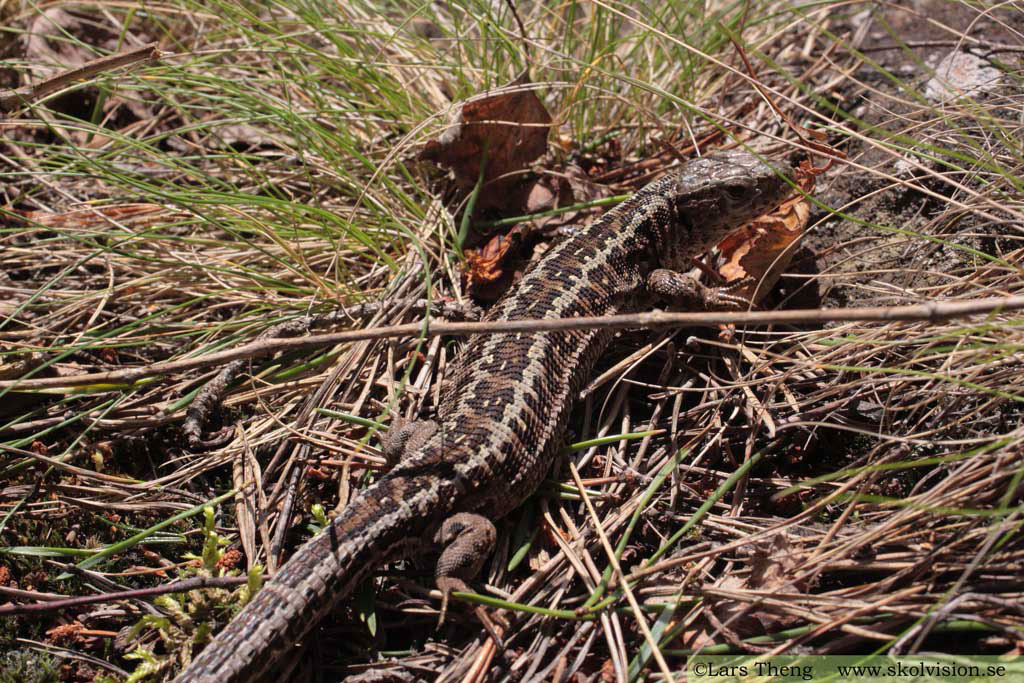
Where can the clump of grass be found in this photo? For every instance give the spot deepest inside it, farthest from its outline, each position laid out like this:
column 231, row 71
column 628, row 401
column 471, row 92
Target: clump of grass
column 266, row 168
column 29, row 666
column 189, row 618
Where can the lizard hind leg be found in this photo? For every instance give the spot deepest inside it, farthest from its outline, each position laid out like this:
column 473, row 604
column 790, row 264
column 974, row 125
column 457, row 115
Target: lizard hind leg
column 405, row 437
column 467, row 540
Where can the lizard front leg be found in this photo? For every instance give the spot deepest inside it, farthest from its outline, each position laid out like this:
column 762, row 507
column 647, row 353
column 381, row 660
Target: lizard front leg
column 685, row 289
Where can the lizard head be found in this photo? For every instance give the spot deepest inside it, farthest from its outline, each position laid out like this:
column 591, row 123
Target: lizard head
column 713, row 195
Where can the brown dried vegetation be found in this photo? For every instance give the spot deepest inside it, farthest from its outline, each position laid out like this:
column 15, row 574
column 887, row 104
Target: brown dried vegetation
column 866, row 477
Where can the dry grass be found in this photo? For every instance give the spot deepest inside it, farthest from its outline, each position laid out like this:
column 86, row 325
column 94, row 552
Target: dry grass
column 838, row 488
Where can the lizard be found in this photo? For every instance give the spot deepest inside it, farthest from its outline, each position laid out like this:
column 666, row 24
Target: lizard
column 502, row 417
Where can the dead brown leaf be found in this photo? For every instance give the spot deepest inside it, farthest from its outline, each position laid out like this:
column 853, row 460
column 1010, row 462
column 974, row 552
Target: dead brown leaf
column 755, row 256
column 491, row 269
column 509, row 127
column 485, row 271
column 136, row 215
column 761, row 251
column 772, row 564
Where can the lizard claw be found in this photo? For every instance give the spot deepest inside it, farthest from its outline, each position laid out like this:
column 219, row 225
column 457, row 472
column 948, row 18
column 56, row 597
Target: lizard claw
column 495, row 626
column 722, row 297
column 447, row 584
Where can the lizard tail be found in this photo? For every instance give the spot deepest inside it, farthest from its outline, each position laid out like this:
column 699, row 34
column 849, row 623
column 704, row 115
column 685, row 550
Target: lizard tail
column 384, row 521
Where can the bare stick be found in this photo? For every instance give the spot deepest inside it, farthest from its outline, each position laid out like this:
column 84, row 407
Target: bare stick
column 12, row 99
column 52, row 605
column 930, row 312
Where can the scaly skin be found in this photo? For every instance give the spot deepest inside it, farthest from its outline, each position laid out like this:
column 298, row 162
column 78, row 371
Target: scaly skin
column 503, row 415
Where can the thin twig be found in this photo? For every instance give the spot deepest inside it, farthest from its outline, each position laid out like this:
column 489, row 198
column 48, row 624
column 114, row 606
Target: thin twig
column 930, row 312
column 52, row 605
column 12, row 99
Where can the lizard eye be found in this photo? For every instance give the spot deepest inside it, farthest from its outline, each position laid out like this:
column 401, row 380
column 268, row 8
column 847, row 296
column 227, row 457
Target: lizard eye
column 737, row 191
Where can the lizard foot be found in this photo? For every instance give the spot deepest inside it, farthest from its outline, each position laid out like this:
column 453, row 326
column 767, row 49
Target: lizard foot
column 494, row 625
column 405, row 437
column 686, row 290
column 721, row 297
column 467, row 538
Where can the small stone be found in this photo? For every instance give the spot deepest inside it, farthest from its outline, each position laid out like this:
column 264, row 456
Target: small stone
column 961, row 74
